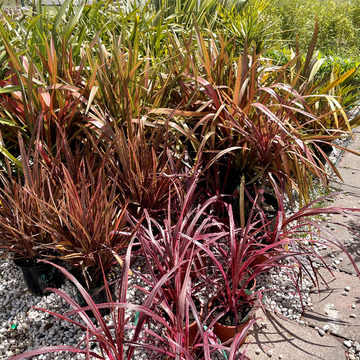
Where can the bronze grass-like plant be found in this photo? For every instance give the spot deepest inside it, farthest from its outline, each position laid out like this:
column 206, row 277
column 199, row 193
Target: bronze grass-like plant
column 145, row 163
column 88, row 223
column 20, row 210
column 170, row 249
column 43, row 92
column 289, row 243
column 231, row 259
column 125, row 80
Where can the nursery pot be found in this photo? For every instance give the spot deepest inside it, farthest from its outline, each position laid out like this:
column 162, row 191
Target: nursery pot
column 261, row 259
column 193, row 327
column 227, row 332
column 39, row 276
column 98, row 295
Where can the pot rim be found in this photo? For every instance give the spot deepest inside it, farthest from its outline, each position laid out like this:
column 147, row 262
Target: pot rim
column 37, row 264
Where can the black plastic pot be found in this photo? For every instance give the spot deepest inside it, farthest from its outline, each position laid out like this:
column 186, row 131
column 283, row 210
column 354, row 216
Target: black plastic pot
column 326, row 148
column 39, row 276
column 98, row 295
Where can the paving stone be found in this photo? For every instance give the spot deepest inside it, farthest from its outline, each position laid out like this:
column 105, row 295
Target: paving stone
column 355, row 143
column 351, row 143
column 332, row 254
column 349, row 167
column 349, row 159
column 344, row 229
column 351, row 180
column 334, row 310
column 289, row 340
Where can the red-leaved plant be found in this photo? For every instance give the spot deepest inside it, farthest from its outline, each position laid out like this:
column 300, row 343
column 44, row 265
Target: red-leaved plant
column 115, row 342
column 173, row 250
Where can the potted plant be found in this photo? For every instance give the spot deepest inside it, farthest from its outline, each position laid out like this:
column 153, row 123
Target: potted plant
column 234, row 300
column 88, row 224
column 176, row 292
column 145, row 164
column 170, row 250
column 20, row 234
column 293, row 238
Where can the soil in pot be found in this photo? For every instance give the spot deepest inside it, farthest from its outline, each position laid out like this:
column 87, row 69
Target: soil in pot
column 38, row 276
column 263, row 258
column 225, row 328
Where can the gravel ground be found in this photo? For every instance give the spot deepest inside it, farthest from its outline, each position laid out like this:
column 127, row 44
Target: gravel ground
column 24, row 328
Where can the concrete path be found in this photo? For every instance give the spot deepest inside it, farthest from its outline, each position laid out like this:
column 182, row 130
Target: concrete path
column 279, row 338
column 330, row 327
column 347, row 228
column 337, row 309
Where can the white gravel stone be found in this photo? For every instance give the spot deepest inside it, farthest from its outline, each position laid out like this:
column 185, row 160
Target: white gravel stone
column 270, row 353
column 347, row 343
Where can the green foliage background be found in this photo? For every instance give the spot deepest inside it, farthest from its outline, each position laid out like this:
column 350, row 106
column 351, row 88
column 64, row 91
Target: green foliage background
column 339, row 24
